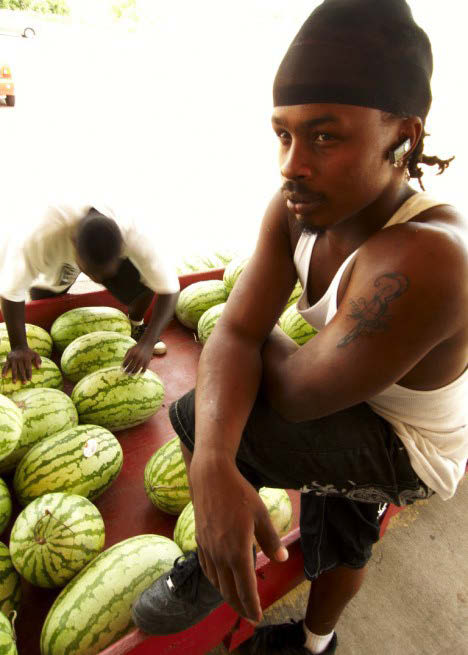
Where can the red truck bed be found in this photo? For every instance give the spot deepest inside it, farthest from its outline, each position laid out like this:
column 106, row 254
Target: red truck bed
column 127, row 511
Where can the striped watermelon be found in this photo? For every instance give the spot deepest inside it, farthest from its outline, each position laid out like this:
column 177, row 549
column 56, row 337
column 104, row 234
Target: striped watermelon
column 11, row 424
column 292, row 323
column 165, row 478
column 5, row 505
column 54, row 537
column 232, row 273
column 195, row 299
column 38, row 339
column 7, row 637
column 93, row 351
column 94, row 609
column 208, row 320
column 48, row 375
column 45, row 412
column 83, row 320
column 277, row 502
column 115, row 400
column 83, row 460
column 196, row 263
column 10, row 584
column 295, row 295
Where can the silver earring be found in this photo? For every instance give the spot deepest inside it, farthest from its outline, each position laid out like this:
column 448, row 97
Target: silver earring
column 400, row 163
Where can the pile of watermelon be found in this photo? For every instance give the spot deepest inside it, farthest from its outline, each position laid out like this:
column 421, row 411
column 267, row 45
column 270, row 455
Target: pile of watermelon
column 200, row 305
column 60, row 452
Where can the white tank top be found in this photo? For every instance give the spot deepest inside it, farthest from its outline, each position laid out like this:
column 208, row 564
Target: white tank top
column 431, row 424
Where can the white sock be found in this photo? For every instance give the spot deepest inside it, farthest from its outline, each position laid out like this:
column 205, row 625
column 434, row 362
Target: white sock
column 316, row 643
column 136, row 322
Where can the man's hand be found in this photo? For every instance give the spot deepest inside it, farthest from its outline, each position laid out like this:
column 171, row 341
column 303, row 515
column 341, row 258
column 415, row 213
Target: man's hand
column 20, row 361
column 138, row 357
column 229, row 513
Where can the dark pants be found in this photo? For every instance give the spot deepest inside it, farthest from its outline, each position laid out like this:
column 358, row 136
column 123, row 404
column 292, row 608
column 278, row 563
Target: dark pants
column 346, row 464
column 125, row 285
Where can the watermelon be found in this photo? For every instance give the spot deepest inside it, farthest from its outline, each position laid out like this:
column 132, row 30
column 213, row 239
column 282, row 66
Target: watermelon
column 277, row 502
column 195, row 263
column 48, row 375
column 7, row 637
column 94, row 609
column 165, row 478
column 5, row 505
column 232, row 273
column 10, row 584
column 83, row 320
column 195, row 299
column 83, row 460
column 93, row 351
column 292, row 323
column 54, row 537
column 38, row 339
column 112, row 398
column 11, row 424
column 45, row 412
column 208, row 320
column 295, row 295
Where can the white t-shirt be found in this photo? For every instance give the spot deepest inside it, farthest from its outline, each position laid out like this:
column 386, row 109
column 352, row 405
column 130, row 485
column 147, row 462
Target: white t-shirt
column 41, row 254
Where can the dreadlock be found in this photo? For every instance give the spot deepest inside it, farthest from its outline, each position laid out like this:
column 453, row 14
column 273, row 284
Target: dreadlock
column 418, row 157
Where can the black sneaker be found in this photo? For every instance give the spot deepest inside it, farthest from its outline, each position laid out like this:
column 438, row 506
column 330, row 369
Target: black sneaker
column 177, row 600
column 283, row 639
column 138, row 331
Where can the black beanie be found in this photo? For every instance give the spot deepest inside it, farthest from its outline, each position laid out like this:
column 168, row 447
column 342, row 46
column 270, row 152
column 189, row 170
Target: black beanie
column 368, row 53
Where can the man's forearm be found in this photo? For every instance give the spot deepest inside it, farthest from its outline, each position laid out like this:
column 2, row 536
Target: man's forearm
column 228, row 380
column 163, row 311
column 13, row 315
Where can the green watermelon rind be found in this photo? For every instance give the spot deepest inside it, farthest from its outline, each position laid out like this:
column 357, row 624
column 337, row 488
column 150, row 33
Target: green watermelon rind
column 208, row 321
column 7, row 637
column 94, row 351
column 6, row 506
column 45, row 412
column 83, row 320
column 117, row 401
column 195, row 299
column 66, row 463
column 232, row 273
column 165, row 478
column 48, row 375
column 54, row 537
column 292, row 324
column 38, row 340
column 11, row 425
column 10, row 583
column 94, row 609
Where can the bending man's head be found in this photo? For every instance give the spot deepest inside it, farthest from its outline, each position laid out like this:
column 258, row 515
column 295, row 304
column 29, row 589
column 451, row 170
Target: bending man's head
column 98, row 245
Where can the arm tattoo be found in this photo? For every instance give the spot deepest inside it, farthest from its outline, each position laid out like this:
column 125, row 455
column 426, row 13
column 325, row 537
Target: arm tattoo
column 371, row 315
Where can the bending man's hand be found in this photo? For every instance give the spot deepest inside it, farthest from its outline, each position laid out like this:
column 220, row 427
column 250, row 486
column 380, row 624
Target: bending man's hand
column 138, row 357
column 20, row 361
column 229, row 513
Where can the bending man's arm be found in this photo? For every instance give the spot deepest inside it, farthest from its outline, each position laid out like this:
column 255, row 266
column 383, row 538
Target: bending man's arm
column 20, row 358
column 138, row 357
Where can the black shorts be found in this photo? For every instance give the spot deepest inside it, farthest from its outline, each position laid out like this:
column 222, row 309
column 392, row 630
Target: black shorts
column 345, row 464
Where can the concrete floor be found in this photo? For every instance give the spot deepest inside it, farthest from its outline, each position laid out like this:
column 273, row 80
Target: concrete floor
column 415, row 597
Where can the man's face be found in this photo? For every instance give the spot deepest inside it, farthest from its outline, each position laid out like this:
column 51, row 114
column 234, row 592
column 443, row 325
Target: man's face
column 333, row 160
column 98, row 273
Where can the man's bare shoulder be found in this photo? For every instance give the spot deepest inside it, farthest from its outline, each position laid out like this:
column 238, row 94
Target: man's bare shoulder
column 435, row 238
